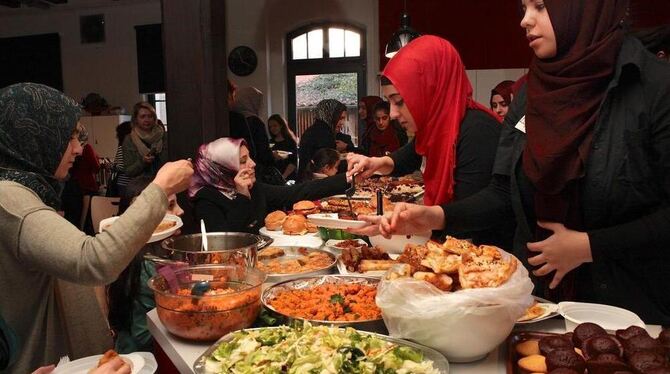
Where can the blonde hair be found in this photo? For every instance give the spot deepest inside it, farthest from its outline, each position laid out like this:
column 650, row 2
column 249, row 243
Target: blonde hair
column 142, row 105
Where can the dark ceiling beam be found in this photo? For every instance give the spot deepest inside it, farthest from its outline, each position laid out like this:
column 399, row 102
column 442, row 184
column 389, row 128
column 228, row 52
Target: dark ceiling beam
column 57, row 1
column 11, row 3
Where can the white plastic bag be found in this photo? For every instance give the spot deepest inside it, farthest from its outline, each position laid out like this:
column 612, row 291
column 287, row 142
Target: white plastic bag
column 465, row 324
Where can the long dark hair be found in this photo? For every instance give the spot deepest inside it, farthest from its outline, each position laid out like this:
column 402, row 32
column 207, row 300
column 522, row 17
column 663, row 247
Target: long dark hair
column 324, row 157
column 121, row 294
column 286, row 133
column 122, row 130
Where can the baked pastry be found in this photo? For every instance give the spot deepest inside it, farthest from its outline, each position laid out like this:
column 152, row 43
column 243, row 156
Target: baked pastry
column 295, row 224
column 528, row 347
column 305, row 207
column 274, row 220
column 663, row 337
column 533, row 364
column 549, row 344
column 441, row 281
column 399, row 271
column 565, row 358
column 643, row 361
column 413, row 255
column 584, row 331
column 109, row 356
column 606, row 363
column 630, row 332
column 439, row 260
column 597, row 345
column 532, row 312
column 486, row 270
column 459, row 247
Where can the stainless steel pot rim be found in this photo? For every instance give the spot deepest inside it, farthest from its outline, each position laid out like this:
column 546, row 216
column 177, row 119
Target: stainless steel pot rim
column 259, row 284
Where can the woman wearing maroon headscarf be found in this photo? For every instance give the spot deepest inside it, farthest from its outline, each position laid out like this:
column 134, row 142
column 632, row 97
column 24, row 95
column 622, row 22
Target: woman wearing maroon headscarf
column 226, row 195
column 587, row 172
column 501, row 97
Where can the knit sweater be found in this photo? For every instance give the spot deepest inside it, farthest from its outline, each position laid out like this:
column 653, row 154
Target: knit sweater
column 37, row 246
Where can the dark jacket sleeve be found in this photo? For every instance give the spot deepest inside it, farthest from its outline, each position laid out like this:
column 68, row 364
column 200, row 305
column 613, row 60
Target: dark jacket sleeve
column 405, row 160
column 221, row 213
column 261, row 141
column 279, row 197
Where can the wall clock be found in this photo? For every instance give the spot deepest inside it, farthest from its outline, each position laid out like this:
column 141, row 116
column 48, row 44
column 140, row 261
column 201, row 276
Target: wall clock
column 242, row 61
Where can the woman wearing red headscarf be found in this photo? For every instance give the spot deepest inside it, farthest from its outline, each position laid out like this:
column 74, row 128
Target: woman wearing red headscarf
column 430, row 95
column 587, row 171
column 501, row 96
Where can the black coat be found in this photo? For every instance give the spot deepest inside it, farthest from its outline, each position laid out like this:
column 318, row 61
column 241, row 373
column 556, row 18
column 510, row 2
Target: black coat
column 317, row 136
column 242, row 214
column 625, row 194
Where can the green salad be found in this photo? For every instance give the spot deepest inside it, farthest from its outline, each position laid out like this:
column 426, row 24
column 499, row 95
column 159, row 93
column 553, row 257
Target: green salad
column 314, row 350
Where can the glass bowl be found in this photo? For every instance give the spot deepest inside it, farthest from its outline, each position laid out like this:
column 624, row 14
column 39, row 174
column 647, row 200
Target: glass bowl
column 232, row 302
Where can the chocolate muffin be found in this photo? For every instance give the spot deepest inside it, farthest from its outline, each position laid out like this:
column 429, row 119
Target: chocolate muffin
column 664, row 337
column 551, row 343
column 630, row 332
column 565, row 358
column 643, row 361
column 597, row 345
column 660, row 370
column 642, row 343
column 606, row 363
column 584, row 331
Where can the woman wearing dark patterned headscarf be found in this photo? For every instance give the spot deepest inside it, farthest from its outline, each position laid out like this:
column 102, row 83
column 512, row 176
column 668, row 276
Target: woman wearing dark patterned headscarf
column 329, row 115
column 38, row 144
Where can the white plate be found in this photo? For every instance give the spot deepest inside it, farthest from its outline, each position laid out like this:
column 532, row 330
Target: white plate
column 550, row 311
column 330, row 220
column 609, row 317
column 143, row 363
column 155, row 236
column 310, row 240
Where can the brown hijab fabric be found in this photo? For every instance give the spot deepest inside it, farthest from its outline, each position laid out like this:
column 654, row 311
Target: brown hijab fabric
column 564, row 96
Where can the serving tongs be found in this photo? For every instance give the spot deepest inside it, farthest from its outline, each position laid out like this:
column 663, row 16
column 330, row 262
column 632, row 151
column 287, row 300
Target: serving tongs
column 380, row 203
column 349, row 192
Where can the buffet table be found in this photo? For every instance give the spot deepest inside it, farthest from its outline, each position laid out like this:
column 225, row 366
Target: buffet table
column 183, row 353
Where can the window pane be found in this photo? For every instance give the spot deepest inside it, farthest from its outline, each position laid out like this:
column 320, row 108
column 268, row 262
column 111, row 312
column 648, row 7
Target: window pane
column 161, row 111
column 299, row 46
column 352, row 44
column 160, row 96
column 315, row 43
column 336, row 42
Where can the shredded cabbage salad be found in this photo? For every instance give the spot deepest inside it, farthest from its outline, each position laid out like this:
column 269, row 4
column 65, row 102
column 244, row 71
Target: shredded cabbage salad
column 314, row 350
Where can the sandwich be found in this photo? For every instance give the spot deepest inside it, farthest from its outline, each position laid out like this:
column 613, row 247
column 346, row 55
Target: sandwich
column 109, row 356
column 295, row 224
column 274, row 220
column 305, row 207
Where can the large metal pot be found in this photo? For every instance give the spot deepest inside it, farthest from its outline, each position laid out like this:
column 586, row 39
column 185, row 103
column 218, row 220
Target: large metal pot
column 230, row 248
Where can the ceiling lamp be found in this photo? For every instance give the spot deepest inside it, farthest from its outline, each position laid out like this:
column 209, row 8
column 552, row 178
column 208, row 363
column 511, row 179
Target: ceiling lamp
column 403, row 36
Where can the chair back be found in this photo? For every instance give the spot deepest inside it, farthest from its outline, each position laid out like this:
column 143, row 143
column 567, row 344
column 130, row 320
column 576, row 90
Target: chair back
column 103, row 207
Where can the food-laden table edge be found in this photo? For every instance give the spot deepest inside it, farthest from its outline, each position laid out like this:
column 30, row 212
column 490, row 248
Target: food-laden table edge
column 183, row 353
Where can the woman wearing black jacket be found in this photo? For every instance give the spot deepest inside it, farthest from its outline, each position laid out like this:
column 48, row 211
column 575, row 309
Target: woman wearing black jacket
column 225, row 194
column 591, row 201
column 330, row 114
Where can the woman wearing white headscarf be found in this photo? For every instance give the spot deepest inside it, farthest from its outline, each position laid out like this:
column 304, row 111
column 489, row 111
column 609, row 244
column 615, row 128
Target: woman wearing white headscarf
column 248, row 103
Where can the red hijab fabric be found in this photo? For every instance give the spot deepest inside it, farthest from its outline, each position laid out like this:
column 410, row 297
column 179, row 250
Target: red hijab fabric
column 429, row 75
column 505, row 90
column 564, row 97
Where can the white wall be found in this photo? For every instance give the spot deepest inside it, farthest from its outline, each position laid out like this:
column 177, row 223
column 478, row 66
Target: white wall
column 108, row 68
column 263, row 25
column 483, row 81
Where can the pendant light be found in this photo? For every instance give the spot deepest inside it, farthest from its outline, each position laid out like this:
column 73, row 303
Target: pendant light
column 403, row 36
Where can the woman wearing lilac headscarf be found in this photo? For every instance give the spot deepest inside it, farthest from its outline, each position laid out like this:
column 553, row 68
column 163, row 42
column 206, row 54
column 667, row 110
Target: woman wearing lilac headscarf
column 227, row 197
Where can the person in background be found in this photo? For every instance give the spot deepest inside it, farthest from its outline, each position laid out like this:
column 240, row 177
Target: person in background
column 656, row 40
column 145, row 149
column 383, row 137
column 129, row 297
column 501, row 97
column 325, row 163
column 330, row 116
column 589, row 186
column 248, row 102
column 284, row 140
column 226, row 195
column 120, row 180
column 39, row 140
column 366, row 116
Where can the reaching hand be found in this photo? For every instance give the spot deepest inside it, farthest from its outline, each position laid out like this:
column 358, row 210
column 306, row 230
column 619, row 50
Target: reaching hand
column 244, row 181
column 174, row 177
column 372, row 229
column 365, row 167
column 563, row 251
column 406, row 219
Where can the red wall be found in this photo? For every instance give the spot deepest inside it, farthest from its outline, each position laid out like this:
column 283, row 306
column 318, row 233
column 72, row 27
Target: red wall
column 486, row 32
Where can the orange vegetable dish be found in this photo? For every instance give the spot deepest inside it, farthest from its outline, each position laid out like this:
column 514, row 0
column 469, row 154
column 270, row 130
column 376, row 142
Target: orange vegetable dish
column 330, row 302
column 312, row 261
